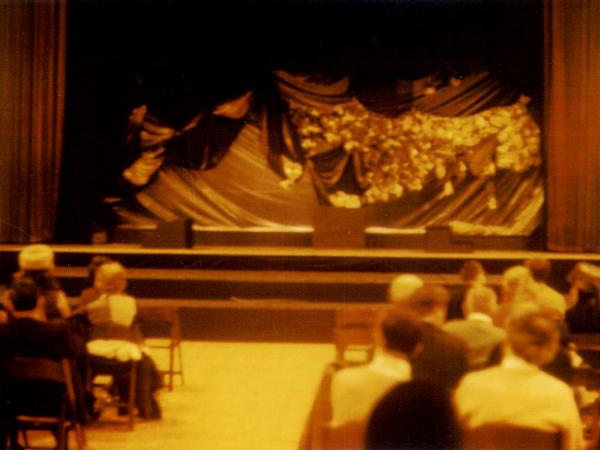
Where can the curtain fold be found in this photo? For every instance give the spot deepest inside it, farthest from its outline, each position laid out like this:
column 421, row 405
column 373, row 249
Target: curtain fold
column 32, row 87
column 449, row 159
column 573, row 125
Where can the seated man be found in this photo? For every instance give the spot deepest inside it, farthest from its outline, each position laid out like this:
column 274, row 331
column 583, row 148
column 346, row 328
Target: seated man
column 471, row 274
column 27, row 334
column 356, row 390
column 478, row 330
column 517, row 392
column 547, row 297
column 444, row 357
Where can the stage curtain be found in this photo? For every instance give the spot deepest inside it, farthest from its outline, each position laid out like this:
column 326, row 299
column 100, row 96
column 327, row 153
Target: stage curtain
column 483, row 181
column 32, row 86
column 573, row 125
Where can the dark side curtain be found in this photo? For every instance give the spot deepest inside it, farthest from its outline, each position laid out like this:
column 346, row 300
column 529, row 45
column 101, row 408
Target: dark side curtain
column 573, row 125
column 32, row 85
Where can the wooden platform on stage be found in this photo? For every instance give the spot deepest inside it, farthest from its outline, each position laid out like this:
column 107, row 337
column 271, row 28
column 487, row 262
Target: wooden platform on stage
column 273, row 293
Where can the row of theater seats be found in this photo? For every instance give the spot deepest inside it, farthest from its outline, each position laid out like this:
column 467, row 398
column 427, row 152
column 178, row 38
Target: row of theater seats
column 156, row 327
column 355, row 343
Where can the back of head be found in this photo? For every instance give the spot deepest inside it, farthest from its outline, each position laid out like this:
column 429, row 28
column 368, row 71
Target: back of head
column 401, row 332
column 24, row 294
column 540, row 269
column 430, row 303
column 533, row 334
column 111, row 278
column 514, row 279
column 480, row 299
column 403, row 286
column 36, row 257
column 95, row 264
column 471, row 271
column 413, row 415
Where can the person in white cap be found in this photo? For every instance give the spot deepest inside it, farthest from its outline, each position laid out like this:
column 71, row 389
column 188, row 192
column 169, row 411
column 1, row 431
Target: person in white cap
column 37, row 262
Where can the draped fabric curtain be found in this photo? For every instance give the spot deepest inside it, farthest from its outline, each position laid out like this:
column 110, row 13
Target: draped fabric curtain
column 484, row 181
column 32, row 86
column 573, row 125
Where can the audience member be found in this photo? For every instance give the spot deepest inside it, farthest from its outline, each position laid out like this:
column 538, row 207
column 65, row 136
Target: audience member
column 403, row 286
column 112, row 316
column 444, row 357
column 91, row 293
column 413, row 415
column 471, row 274
column 537, row 287
column 28, row 334
column 583, row 299
column 37, row 262
column 517, row 392
column 477, row 330
column 512, row 291
column 355, row 390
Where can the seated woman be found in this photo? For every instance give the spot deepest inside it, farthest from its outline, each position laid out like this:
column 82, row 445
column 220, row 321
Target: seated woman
column 91, row 293
column 517, row 392
column 37, row 262
column 114, row 338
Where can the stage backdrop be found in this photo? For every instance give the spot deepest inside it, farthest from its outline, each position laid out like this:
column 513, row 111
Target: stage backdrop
column 460, row 151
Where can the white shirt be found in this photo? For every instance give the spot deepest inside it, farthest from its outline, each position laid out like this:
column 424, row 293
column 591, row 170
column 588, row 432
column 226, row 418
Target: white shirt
column 118, row 309
column 356, row 390
column 547, row 297
column 518, row 393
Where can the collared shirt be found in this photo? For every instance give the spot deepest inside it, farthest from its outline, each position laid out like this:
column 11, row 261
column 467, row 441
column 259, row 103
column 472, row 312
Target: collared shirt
column 480, row 317
column 519, row 393
column 480, row 335
column 356, row 390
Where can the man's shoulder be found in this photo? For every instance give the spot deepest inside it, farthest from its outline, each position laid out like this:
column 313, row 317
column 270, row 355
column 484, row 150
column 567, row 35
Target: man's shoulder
column 456, row 325
column 443, row 338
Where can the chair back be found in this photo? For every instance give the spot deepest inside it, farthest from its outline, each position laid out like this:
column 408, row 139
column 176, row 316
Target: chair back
column 354, row 335
column 23, row 370
column 160, row 321
column 110, row 330
column 589, row 378
column 503, row 437
column 35, row 369
column 350, row 436
column 314, row 433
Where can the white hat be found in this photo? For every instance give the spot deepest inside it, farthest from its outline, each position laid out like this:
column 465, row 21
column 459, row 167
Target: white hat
column 36, row 257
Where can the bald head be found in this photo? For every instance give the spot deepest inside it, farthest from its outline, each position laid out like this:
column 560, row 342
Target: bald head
column 403, row 287
column 480, row 299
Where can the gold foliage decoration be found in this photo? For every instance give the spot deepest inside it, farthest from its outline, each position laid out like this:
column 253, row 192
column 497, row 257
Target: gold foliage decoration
column 401, row 154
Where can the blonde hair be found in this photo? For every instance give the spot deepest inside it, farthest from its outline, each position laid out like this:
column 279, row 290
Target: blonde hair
column 111, row 278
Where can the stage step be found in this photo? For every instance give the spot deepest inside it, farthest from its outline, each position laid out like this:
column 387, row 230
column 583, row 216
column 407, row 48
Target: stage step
column 253, row 284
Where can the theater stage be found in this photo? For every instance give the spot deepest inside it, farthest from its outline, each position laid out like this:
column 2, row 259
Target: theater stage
column 289, row 294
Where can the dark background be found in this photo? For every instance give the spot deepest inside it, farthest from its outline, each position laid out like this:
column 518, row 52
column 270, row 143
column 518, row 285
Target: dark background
column 181, row 57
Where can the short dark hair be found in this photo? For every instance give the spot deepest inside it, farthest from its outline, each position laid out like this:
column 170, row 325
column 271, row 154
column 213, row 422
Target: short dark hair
column 533, row 333
column 24, row 294
column 426, row 299
column 402, row 332
column 95, row 264
column 540, row 268
column 470, row 270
